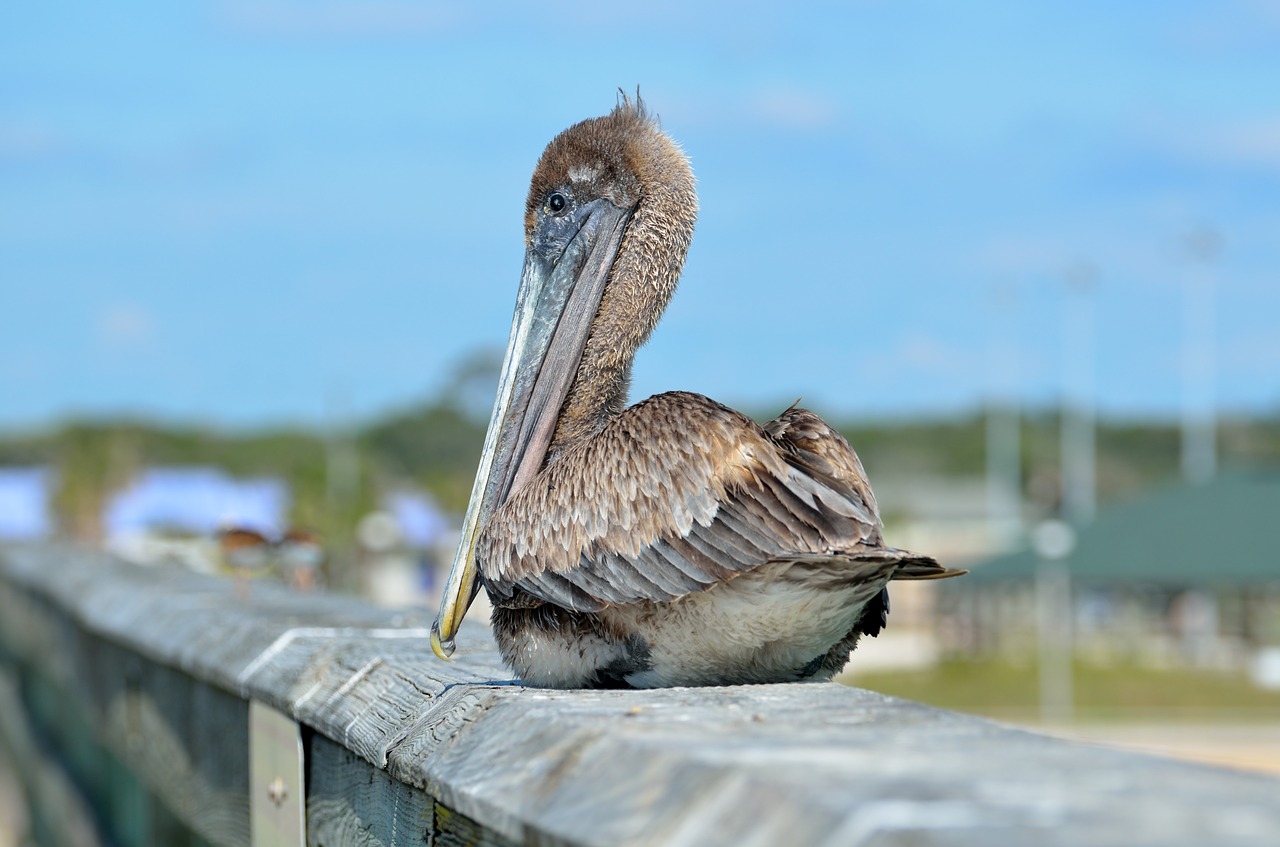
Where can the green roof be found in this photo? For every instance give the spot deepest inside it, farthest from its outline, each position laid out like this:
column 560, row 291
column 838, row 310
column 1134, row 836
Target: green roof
column 1223, row 531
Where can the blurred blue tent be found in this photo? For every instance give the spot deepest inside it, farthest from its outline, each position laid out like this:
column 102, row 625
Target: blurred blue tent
column 25, row 495
column 421, row 522
column 197, row 500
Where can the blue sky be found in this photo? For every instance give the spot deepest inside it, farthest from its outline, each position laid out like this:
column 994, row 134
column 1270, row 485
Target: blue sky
column 253, row 213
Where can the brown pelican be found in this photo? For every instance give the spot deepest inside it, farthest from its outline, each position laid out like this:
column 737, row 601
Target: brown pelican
column 301, row 554
column 675, row 542
column 245, row 551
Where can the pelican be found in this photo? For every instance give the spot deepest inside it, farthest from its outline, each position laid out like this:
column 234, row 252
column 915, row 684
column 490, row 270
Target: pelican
column 675, row 542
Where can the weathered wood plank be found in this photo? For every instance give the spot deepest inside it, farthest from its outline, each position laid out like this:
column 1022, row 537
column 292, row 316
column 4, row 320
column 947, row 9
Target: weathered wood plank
column 189, row 743
column 685, row 767
column 347, row 801
column 59, row 815
column 815, row 764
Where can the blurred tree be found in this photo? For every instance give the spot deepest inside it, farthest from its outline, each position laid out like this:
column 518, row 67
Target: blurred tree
column 92, row 461
column 436, row 445
column 473, row 385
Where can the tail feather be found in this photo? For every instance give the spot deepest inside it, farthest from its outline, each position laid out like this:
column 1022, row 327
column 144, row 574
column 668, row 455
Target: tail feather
column 878, row 560
column 916, row 566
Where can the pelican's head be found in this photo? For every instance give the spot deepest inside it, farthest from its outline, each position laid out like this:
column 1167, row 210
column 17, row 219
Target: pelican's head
column 608, row 221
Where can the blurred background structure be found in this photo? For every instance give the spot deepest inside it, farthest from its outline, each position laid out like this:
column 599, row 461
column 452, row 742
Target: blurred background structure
column 257, row 259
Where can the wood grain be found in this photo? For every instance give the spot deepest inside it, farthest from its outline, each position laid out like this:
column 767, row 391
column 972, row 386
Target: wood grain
column 407, row 749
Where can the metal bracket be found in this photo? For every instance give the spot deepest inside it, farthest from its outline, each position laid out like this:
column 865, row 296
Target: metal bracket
column 276, row 787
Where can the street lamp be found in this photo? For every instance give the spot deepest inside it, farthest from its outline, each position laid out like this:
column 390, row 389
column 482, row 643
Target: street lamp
column 1199, row 424
column 1004, row 444
column 1053, row 541
column 1079, row 484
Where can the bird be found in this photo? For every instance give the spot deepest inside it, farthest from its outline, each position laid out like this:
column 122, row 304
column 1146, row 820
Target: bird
column 247, row 553
column 245, row 549
column 674, row 542
column 301, row 553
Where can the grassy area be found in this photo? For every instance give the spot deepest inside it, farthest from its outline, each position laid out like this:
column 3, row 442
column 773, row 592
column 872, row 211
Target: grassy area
column 1009, row 691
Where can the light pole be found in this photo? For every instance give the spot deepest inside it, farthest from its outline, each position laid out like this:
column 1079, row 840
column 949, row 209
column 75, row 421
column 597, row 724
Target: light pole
column 1079, row 475
column 1199, row 424
column 1053, row 541
column 342, row 482
column 1004, row 440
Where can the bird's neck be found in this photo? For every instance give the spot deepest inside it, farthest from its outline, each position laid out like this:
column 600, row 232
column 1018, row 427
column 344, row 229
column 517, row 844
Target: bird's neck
column 598, row 394
column 641, row 281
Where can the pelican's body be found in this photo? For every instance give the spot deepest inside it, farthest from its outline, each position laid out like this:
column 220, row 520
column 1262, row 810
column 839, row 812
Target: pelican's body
column 675, row 542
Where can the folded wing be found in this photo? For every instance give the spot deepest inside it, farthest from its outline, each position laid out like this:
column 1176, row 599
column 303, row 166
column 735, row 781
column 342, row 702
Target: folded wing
column 677, row 494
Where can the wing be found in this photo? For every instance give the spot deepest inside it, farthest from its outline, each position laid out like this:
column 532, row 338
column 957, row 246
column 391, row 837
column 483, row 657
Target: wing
column 674, row 495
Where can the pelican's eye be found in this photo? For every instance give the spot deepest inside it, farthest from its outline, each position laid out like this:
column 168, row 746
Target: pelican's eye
column 557, row 202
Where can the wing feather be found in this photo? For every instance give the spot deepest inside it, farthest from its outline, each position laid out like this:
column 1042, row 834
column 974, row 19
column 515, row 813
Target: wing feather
column 670, row 576
column 676, row 574
column 677, row 494
column 719, row 559
column 734, row 543
column 649, row 582
column 750, row 534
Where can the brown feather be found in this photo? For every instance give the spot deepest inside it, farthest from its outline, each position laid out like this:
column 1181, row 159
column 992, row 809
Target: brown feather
column 625, row 158
column 677, row 494
column 676, row 541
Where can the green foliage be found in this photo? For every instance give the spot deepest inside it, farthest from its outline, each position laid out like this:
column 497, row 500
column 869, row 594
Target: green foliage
column 1006, row 690
column 1131, row 455
column 91, row 462
column 938, row 447
column 334, row 478
column 436, row 445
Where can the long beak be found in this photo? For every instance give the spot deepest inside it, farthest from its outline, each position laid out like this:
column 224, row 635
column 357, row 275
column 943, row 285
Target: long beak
column 558, row 300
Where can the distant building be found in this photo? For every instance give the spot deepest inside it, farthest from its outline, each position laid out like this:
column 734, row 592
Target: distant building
column 400, row 549
column 173, row 513
column 422, row 523
column 196, row 500
column 949, row 518
column 944, row 517
column 1185, row 575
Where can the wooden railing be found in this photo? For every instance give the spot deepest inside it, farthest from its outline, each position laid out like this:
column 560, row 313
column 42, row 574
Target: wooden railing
column 157, row 706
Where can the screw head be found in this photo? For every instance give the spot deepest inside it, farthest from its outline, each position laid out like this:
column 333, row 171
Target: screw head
column 277, row 791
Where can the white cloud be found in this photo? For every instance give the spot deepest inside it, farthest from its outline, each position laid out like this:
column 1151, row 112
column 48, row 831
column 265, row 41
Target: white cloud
column 1253, row 355
column 1256, row 144
column 1249, row 142
column 1266, row 12
column 775, row 106
column 793, row 108
column 124, row 325
column 1149, row 252
column 26, row 141
column 329, row 18
column 1021, row 254
column 926, row 354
